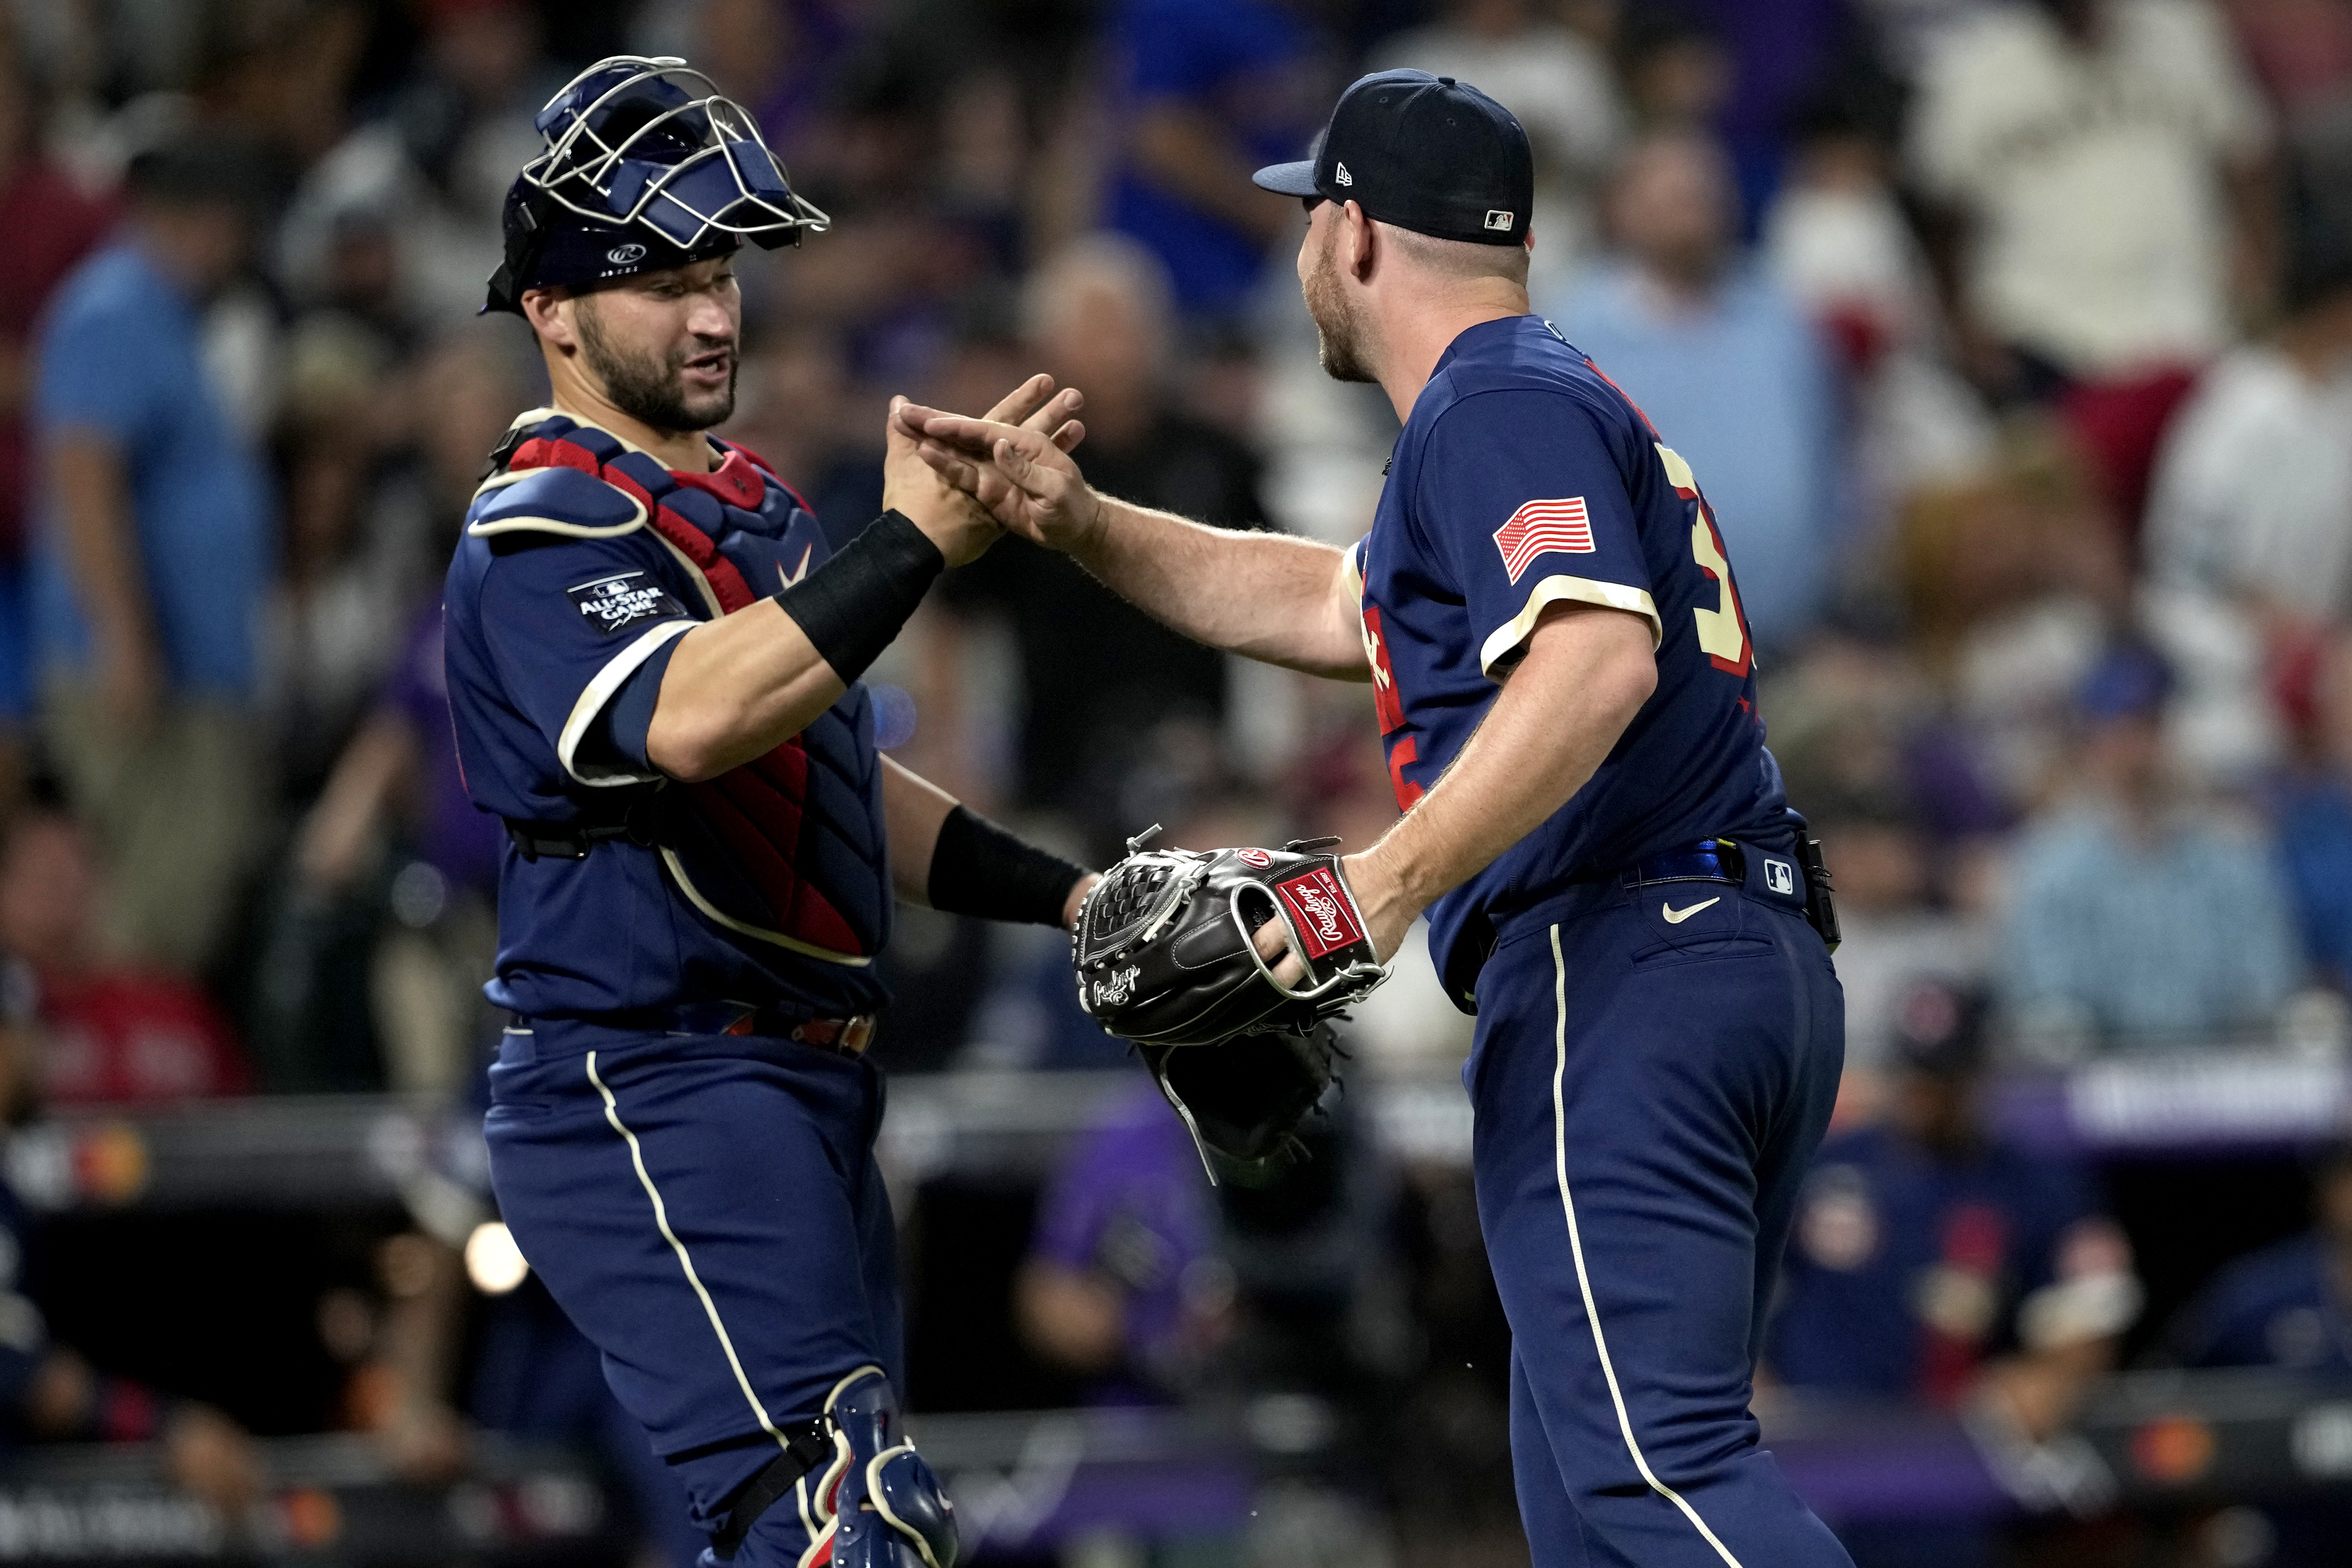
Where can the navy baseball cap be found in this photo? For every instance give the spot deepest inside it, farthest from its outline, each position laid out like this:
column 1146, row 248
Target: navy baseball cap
column 1424, row 152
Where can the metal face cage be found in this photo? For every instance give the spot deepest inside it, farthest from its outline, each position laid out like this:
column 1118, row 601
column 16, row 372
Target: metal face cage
column 651, row 140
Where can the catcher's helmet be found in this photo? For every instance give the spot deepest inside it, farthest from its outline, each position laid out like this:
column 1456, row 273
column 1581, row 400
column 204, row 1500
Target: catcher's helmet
column 646, row 166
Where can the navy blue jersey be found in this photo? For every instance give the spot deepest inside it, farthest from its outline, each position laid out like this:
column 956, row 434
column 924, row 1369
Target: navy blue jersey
column 1525, row 478
column 1906, row 1271
column 2277, row 1307
column 564, row 604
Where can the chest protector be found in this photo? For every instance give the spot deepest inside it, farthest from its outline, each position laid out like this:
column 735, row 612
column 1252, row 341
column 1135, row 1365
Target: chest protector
column 787, row 850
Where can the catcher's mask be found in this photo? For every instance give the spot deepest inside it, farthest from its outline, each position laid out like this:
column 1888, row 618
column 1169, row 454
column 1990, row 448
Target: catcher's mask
column 646, row 166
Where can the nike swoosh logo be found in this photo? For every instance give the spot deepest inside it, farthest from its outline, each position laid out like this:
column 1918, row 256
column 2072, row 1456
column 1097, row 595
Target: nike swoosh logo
column 1676, row 917
column 794, row 579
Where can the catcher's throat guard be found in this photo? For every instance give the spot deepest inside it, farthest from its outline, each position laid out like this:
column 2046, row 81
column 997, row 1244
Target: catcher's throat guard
column 1166, row 951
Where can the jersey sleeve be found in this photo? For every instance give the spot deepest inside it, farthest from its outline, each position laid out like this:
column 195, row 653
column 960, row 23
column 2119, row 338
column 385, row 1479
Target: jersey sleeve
column 1519, row 498
column 97, row 375
column 571, row 628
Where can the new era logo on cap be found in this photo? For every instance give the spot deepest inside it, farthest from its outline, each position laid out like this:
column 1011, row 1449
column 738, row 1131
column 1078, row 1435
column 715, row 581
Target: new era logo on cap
column 1541, row 526
column 1344, row 177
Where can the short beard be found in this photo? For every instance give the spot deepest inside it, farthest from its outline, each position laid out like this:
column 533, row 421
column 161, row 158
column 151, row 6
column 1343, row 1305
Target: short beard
column 1339, row 326
column 651, row 392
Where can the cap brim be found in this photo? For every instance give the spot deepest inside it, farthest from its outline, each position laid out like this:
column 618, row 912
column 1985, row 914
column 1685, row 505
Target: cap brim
column 1287, row 179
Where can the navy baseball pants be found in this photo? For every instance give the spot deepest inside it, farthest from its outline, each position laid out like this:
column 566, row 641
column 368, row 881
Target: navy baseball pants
column 706, row 1209
column 1653, row 1069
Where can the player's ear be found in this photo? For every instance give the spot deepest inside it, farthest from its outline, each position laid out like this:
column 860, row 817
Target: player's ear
column 549, row 311
column 1357, row 241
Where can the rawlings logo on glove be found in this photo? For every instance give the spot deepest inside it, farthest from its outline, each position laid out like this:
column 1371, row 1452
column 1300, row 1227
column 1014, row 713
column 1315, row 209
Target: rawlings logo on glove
column 1326, row 919
column 1166, row 952
column 1116, row 987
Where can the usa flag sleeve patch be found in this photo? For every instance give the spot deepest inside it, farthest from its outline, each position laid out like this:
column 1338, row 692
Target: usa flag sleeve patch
column 1541, row 526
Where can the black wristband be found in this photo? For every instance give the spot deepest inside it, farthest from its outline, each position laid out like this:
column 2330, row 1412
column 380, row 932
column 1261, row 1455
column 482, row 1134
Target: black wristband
column 979, row 868
column 852, row 607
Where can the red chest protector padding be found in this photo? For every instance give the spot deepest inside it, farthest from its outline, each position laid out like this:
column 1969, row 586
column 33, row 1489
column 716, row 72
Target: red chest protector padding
column 757, row 851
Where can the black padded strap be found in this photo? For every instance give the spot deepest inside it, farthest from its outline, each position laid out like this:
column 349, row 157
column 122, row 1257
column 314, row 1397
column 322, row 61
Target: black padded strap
column 807, row 1446
column 852, row 607
column 979, row 868
column 632, row 815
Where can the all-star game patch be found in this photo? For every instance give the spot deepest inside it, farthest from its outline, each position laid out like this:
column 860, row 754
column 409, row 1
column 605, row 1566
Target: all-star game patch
column 614, row 603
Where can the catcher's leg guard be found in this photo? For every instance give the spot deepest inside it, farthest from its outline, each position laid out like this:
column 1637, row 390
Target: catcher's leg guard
column 877, row 1504
column 809, row 1453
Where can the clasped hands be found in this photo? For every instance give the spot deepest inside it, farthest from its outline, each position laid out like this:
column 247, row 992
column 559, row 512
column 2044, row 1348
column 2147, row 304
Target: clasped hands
column 942, row 470
column 1014, row 469
column 1010, row 470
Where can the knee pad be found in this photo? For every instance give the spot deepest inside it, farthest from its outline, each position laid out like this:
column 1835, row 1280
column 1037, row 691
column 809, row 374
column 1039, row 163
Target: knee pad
column 877, row 1504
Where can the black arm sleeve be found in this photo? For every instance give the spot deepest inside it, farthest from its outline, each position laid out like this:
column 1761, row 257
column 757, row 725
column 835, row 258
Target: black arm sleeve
column 852, row 606
column 979, row 868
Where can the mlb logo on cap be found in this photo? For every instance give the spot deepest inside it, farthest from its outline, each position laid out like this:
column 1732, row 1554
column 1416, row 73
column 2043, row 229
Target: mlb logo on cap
column 1499, row 220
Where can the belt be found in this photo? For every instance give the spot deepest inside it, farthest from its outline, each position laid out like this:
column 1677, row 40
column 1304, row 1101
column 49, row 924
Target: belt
column 573, row 841
column 1795, row 877
column 844, row 1036
column 534, row 839
column 1709, row 860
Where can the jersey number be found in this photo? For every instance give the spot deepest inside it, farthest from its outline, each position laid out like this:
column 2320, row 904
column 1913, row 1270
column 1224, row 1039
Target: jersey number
column 1723, row 630
column 1390, row 703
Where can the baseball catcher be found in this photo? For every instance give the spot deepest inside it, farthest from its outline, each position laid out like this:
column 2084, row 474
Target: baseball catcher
column 656, row 658
column 1224, row 967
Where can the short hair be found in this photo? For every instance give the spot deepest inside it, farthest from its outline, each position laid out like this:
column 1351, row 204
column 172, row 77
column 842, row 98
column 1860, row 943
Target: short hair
column 1460, row 257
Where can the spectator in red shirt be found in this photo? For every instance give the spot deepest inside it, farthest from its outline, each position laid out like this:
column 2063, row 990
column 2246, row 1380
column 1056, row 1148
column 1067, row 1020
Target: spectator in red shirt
column 106, row 1034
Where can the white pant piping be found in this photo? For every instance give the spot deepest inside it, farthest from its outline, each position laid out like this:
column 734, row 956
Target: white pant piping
column 1576, row 1248
column 661, row 1218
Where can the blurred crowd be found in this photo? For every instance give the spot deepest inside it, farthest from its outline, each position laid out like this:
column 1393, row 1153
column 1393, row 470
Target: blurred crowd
column 2011, row 340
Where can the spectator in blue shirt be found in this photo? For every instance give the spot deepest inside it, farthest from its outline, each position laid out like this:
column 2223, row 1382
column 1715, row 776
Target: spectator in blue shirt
column 2136, row 918
column 1725, row 365
column 151, row 559
column 1211, row 89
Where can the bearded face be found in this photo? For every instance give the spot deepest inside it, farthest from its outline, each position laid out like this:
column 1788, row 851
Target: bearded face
column 1339, row 326
column 682, row 383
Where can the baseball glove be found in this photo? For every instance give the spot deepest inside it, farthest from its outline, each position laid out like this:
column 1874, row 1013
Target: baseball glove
column 1166, row 956
column 1244, row 1100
